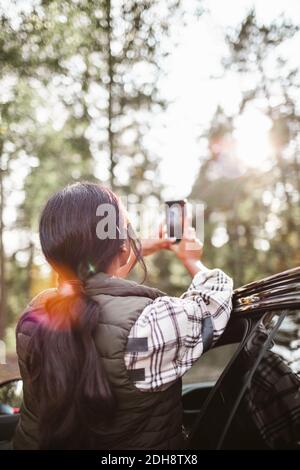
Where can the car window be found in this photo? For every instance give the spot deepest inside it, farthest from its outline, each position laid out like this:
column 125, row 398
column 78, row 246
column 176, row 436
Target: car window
column 210, row 366
column 11, row 393
column 286, row 344
column 271, row 403
column 287, row 341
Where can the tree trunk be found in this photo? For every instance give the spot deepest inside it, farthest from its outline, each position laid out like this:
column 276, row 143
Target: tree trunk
column 29, row 277
column 110, row 95
column 2, row 254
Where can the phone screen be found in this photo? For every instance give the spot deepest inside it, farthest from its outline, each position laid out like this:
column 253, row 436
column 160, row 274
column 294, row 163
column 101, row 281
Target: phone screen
column 176, row 212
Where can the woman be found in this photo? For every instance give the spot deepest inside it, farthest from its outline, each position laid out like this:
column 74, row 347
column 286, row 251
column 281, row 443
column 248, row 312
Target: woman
column 102, row 357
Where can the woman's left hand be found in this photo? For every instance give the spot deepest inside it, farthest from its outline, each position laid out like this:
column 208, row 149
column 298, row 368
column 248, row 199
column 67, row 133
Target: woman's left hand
column 151, row 246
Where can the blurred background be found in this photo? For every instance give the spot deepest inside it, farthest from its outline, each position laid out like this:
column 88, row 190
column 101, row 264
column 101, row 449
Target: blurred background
column 157, row 99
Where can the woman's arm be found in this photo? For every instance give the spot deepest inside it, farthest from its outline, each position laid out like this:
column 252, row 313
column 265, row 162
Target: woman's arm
column 179, row 330
column 149, row 247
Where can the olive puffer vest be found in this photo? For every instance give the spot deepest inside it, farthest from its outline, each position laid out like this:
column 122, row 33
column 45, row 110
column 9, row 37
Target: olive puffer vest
column 142, row 420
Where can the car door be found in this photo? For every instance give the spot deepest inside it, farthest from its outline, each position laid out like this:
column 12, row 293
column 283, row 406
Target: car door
column 224, row 420
column 11, row 393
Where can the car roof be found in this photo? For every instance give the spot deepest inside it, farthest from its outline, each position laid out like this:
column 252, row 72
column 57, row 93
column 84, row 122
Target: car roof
column 278, row 292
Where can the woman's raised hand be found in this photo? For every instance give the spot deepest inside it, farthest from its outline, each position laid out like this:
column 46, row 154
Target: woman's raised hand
column 189, row 247
column 151, row 246
column 189, row 250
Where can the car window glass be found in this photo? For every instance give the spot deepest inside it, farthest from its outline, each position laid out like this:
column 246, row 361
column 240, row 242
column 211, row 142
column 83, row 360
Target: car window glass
column 210, row 366
column 287, row 341
column 11, row 393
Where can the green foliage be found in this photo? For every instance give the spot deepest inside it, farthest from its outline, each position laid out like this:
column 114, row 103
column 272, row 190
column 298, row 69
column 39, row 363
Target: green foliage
column 79, row 89
column 256, row 211
column 80, row 92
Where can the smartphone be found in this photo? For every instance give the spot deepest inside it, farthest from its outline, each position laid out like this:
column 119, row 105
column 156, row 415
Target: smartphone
column 175, row 217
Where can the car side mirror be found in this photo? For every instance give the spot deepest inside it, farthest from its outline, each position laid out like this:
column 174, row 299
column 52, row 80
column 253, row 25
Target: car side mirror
column 11, row 394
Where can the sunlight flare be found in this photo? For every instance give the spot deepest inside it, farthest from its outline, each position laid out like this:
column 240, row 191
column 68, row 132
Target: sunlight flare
column 251, row 134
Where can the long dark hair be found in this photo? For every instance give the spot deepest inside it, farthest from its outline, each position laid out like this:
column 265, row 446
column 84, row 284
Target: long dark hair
column 68, row 378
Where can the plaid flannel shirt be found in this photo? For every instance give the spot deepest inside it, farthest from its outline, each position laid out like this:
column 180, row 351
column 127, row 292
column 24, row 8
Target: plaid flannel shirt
column 171, row 333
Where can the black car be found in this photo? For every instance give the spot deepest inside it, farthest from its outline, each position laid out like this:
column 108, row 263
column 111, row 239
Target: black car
column 255, row 403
